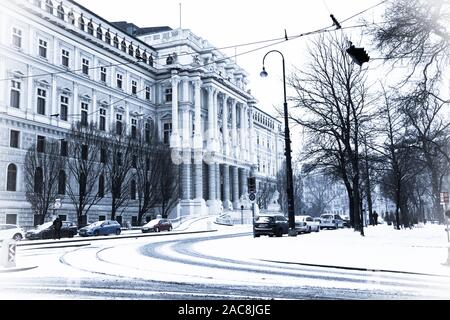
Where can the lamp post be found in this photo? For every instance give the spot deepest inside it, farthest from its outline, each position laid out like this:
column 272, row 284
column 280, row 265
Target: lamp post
column 288, row 151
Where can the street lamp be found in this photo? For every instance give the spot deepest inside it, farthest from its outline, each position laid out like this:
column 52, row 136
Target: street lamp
column 288, row 151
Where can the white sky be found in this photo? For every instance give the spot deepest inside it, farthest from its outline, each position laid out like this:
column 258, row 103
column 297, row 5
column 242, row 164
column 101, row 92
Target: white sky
column 233, row 22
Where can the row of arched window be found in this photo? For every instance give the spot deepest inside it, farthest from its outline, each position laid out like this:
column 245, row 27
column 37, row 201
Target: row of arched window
column 11, row 182
column 98, row 32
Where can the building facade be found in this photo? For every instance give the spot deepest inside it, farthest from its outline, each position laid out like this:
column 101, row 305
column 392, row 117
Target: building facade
column 60, row 63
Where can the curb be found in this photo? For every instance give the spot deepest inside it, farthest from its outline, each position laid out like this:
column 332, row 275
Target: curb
column 17, row 269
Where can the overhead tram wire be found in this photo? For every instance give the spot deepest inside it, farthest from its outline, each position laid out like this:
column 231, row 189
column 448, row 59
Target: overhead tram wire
column 220, row 48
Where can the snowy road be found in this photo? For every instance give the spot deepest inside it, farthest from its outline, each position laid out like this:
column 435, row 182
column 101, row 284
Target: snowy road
column 199, row 266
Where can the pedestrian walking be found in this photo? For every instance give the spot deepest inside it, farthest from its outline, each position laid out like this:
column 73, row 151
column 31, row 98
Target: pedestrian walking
column 375, row 218
column 57, row 225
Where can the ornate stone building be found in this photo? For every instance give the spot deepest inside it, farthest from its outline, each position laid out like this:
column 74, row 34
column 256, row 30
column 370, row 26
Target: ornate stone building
column 61, row 63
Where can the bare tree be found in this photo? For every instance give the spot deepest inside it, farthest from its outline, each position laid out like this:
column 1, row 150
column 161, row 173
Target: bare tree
column 416, row 33
column 87, row 166
column 318, row 187
column 42, row 177
column 265, row 194
column 147, row 150
column 168, row 182
column 332, row 105
column 118, row 167
column 282, row 189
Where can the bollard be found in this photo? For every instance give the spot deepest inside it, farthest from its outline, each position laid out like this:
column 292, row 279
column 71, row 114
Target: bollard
column 8, row 253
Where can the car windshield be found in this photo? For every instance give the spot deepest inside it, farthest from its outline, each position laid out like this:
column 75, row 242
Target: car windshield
column 264, row 219
column 327, row 216
column 155, row 221
column 44, row 226
column 96, row 224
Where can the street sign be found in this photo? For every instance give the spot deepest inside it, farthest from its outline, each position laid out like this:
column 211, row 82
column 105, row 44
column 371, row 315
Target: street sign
column 252, row 197
column 444, row 198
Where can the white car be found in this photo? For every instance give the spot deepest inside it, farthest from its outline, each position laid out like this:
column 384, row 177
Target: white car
column 11, row 231
column 311, row 223
column 331, row 221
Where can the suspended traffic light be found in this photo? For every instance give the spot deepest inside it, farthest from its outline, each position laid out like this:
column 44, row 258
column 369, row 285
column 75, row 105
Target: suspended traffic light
column 251, row 182
column 358, row 55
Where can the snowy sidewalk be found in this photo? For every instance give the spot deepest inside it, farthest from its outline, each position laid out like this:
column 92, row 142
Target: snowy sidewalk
column 418, row 250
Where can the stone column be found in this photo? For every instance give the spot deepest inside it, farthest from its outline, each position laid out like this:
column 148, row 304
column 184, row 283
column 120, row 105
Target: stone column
column 198, row 142
column 245, row 128
column 31, row 90
column 211, row 118
column 6, row 85
column 212, row 181
column 186, row 114
column 198, row 174
column 198, row 134
column 226, row 185
column 218, row 189
column 186, row 175
column 242, row 182
column 252, row 138
column 53, row 100
column 242, row 132
column 225, row 133
column 235, row 177
column 175, row 138
column 234, row 127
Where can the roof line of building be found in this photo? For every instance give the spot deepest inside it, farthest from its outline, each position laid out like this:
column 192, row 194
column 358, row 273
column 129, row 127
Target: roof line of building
column 110, row 24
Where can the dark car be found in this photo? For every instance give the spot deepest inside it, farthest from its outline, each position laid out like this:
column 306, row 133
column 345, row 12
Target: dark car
column 46, row 231
column 99, row 228
column 271, row 225
column 157, row 225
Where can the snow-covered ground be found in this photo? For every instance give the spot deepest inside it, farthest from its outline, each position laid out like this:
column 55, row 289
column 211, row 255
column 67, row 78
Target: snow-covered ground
column 383, row 263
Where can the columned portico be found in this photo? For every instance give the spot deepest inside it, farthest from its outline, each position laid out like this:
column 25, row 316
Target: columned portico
column 175, row 137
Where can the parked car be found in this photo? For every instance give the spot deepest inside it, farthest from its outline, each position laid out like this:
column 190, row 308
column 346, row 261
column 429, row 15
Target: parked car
column 103, row 228
column 300, row 225
column 346, row 221
column 11, row 231
column 271, row 225
column 331, row 221
column 311, row 224
column 46, row 231
column 157, row 225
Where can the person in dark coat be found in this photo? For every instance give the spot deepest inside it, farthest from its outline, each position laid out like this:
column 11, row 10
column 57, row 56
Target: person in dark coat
column 57, row 225
column 375, row 218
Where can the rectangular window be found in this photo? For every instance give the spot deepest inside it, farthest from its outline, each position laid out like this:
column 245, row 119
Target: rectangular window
column 85, row 66
column 133, row 128
column 41, row 99
column 11, row 219
column 103, row 74
column 103, row 155
column 64, row 107
column 169, row 95
column 84, row 152
column 15, row 94
column 65, row 58
column 14, row 139
column 147, row 132
column 84, row 114
column 43, row 48
column 17, row 38
column 63, row 148
column 102, row 121
column 147, row 93
column 40, row 146
column 133, row 87
column 118, row 124
column 119, row 81
column 167, row 132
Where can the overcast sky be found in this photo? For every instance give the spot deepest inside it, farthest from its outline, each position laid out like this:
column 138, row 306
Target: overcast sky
column 234, row 22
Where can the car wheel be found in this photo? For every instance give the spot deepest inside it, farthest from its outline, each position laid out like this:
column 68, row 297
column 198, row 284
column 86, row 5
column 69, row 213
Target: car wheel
column 336, row 226
column 279, row 233
column 17, row 237
column 309, row 229
column 118, row 231
column 71, row 235
column 96, row 233
column 170, row 228
column 318, row 229
column 156, row 229
column 256, row 235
